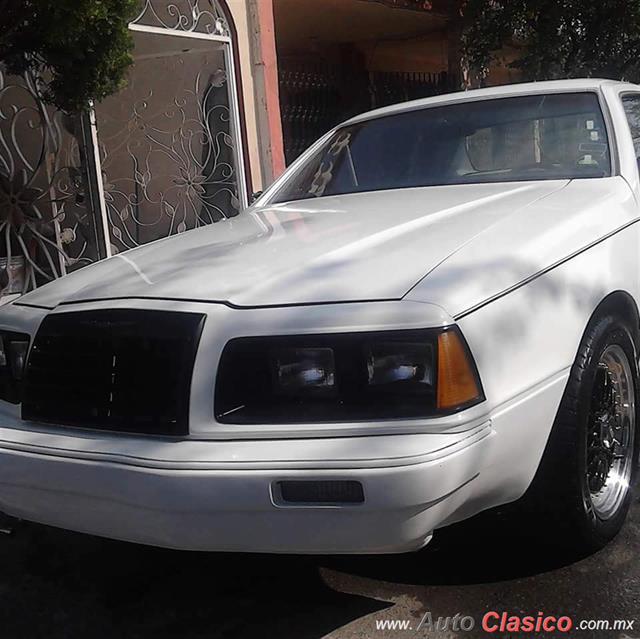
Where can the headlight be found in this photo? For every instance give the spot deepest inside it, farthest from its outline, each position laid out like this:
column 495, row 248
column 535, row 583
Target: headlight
column 304, row 370
column 13, row 355
column 346, row 377
column 395, row 365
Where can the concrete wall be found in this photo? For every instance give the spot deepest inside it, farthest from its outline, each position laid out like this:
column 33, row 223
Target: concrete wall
column 258, row 68
column 239, row 10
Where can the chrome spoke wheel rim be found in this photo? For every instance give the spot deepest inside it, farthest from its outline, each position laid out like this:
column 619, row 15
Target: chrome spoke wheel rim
column 610, row 438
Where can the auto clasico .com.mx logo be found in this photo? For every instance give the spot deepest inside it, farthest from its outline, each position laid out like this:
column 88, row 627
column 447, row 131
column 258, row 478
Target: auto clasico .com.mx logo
column 501, row 621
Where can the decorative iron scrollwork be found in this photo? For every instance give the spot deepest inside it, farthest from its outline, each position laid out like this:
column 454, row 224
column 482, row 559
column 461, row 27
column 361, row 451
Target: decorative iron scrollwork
column 200, row 16
column 167, row 156
column 43, row 218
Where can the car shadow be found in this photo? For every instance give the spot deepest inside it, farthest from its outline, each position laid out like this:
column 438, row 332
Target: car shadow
column 58, row 584
column 487, row 548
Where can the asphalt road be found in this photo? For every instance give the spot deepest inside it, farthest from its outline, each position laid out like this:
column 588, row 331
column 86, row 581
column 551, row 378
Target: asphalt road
column 55, row 584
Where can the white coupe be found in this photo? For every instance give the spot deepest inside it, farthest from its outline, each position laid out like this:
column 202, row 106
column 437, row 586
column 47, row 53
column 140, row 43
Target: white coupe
column 433, row 312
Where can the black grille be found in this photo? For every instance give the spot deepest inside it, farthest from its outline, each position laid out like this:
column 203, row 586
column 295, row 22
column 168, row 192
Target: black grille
column 117, row 370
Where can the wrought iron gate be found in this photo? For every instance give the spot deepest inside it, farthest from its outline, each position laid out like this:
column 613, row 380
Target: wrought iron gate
column 169, row 152
column 160, row 157
column 47, row 226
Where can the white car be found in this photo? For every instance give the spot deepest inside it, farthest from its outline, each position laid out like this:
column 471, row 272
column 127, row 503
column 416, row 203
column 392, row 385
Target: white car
column 433, row 312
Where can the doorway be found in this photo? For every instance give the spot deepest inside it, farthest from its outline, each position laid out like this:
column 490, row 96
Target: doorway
column 168, row 146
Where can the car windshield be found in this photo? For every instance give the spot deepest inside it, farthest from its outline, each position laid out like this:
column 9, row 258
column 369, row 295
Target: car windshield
column 539, row 137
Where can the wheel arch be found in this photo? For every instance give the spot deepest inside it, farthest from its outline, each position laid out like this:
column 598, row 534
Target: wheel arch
column 623, row 305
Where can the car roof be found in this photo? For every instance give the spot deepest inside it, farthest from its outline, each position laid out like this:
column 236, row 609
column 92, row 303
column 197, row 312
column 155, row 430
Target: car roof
column 507, row 90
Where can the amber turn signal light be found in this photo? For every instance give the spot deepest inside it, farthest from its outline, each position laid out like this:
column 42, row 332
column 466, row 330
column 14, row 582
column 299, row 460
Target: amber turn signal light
column 457, row 381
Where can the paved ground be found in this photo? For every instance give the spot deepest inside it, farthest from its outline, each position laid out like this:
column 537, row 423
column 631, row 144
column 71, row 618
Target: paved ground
column 58, row 585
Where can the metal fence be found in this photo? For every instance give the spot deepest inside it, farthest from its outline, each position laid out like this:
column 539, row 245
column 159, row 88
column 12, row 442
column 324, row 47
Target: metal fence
column 314, row 98
column 390, row 88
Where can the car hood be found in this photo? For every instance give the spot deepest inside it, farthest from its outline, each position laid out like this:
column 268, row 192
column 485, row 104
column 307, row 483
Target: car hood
column 520, row 246
column 356, row 247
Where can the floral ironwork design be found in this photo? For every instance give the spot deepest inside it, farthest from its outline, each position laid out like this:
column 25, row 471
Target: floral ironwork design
column 200, row 16
column 43, row 217
column 167, row 156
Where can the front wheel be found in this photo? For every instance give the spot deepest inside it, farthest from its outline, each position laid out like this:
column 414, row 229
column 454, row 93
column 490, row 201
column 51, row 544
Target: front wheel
column 583, row 484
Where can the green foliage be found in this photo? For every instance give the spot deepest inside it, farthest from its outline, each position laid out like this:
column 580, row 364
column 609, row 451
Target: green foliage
column 560, row 38
column 78, row 49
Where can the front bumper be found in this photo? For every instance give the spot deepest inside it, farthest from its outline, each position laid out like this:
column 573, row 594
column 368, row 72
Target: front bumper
column 208, row 508
column 213, row 490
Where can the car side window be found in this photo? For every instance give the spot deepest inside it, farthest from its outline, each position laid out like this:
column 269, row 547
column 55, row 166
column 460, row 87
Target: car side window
column 631, row 105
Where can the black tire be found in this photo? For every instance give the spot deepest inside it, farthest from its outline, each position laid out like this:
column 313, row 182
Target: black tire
column 560, row 493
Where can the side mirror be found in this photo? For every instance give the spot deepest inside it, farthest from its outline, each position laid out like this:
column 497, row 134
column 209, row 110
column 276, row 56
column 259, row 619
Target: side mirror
column 255, row 196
